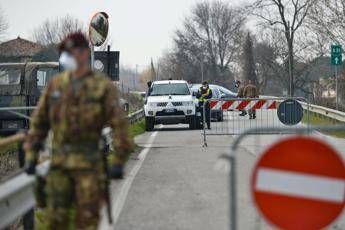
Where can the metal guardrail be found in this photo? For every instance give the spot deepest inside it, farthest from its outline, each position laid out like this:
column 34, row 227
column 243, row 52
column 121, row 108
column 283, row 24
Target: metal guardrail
column 136, row 116
column 321, row 110
column 17, row 193
column 327, row 112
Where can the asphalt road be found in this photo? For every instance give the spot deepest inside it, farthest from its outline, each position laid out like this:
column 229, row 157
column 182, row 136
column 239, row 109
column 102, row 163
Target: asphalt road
column 175, row 183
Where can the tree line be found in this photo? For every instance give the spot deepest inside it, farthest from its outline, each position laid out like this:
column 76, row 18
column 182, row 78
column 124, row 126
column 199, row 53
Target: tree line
column 281, row 45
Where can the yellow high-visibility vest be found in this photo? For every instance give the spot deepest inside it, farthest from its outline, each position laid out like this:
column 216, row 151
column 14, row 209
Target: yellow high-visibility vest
column 202, row 98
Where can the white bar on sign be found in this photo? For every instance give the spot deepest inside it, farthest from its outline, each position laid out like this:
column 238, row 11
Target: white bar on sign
column 300, row 185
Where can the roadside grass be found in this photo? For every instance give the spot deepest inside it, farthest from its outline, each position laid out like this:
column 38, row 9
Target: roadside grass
column 7, row 148
column 320, row 120
column 135, row 101
column 137, row 128
column 40, row 216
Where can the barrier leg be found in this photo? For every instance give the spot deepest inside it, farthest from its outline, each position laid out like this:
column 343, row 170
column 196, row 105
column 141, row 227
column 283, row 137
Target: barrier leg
column 233, row 195
column 29, row 220
column 204, row 124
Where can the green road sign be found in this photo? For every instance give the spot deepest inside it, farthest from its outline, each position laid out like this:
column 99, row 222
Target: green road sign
column 336, row 55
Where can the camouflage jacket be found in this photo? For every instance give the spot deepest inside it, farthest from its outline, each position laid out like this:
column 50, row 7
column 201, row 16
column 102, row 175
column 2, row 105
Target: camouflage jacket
column 240, row 92
column 76, row 111
column 250, row 91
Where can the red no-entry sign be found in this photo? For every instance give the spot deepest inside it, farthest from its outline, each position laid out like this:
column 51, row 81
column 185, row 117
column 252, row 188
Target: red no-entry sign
column 299, row 183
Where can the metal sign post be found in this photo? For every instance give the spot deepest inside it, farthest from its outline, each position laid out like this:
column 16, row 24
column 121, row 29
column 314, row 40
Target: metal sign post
column 336, row 60
column 92, row 57
column 336, row 88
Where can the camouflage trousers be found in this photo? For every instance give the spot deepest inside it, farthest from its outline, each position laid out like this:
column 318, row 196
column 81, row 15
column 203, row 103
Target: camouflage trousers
column 78, row 189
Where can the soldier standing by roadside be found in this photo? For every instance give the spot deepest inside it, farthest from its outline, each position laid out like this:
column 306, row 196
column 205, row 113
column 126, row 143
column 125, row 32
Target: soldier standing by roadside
column 250, row 91
column 240, row 94
column 76, row 105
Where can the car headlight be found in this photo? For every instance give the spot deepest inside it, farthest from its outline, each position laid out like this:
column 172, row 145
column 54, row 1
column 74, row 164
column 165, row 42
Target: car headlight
column 152, row 104
column 188, row 103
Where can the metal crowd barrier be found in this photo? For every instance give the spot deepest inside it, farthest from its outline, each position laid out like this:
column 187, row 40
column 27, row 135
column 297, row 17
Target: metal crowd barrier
column 226, row 119
column 233, row 159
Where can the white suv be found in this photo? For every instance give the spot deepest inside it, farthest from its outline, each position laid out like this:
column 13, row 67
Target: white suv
column 169, row 102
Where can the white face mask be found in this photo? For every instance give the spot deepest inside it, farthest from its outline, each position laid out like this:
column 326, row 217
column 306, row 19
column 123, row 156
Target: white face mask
column 68, row 62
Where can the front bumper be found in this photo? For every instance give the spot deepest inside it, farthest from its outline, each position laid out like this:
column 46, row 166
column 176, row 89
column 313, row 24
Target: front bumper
column 173, row 115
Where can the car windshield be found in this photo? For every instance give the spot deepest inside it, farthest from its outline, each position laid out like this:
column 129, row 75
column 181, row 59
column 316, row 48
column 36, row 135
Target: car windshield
column 9, row 77
column 170, row 89
column 226, row 91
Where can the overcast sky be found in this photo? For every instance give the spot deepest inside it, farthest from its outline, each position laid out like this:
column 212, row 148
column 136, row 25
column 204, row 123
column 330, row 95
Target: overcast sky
column 140, row 29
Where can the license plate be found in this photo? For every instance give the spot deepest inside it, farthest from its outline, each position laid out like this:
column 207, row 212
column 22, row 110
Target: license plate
column 170, row 110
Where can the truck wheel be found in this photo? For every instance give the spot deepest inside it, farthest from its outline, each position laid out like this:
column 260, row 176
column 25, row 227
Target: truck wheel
column 192, row 122
column 149, row 123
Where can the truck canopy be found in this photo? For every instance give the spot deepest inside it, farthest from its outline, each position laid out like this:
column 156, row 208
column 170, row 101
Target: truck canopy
column 19, row 78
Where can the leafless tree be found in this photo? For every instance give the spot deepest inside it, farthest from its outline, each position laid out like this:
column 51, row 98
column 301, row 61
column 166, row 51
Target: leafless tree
column 248, row 63
column 327, row 17
column 327, row 20
column 53, row 31
column 3, row 24
column 211, row 37
column 288, row 16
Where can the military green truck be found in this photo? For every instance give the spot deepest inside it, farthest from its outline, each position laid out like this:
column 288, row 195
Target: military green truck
column 21, row 84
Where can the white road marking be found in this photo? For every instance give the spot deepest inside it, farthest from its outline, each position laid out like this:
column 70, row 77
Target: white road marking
column 300, row 185
column 118, row 202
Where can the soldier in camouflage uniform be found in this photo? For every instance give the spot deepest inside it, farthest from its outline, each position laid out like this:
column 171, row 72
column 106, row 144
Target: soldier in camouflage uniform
column 76, row 105
column 240, row 94
column 250, row 91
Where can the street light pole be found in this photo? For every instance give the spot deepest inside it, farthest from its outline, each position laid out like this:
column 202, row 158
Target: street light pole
column 136, row 76
column 92, row 57
column 290, row 60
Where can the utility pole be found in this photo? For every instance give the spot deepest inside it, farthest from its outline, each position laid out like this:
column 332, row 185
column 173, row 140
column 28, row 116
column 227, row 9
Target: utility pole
column 290, row 45
column 157, row 71
column 135, row 77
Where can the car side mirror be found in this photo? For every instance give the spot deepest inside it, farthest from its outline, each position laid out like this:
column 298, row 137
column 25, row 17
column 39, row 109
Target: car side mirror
column 149, row 84
column 223, row 95
column 194, row 94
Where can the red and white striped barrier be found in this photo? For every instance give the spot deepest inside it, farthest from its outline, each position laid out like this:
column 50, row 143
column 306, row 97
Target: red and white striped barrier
column 243, row 104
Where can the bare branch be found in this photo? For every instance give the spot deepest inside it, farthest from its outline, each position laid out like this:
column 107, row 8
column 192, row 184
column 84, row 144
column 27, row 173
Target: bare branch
column 3, row 25
column 53, row 31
